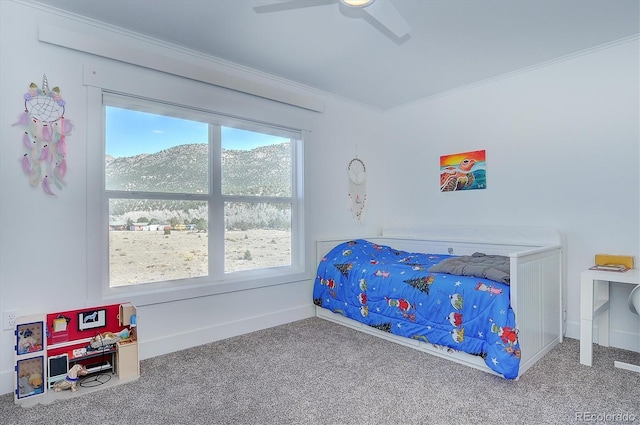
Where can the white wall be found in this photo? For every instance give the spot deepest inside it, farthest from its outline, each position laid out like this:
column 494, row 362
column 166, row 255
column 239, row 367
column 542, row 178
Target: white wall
column 554, row 136
column 562, row 151
column 43, row 243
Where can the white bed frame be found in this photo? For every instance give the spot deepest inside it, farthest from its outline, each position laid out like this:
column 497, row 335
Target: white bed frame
column 536, row 282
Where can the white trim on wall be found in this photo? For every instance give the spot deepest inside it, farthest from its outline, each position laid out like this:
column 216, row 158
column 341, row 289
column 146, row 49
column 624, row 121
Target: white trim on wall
column 116, row 47
column 132, row 81
column 124, row 78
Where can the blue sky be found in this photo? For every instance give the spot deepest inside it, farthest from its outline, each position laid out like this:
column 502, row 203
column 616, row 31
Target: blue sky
column 131, row 133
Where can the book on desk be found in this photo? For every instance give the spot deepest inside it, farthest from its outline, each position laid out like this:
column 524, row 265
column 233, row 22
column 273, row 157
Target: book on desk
column 610, row 268
column 613, row 263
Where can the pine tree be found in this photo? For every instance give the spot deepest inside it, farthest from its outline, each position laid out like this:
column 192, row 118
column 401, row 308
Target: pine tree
column 480, row 354
column 421, row 283
column 382, row 326
column 344, row 268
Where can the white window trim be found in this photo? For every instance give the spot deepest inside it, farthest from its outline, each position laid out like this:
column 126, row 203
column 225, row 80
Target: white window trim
column 130, row 48
column 98, row 290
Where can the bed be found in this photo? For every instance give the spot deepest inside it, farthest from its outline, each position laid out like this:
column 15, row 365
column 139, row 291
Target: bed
column 399, row 286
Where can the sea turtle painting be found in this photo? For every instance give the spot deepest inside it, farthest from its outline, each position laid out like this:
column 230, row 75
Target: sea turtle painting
column 458, row 171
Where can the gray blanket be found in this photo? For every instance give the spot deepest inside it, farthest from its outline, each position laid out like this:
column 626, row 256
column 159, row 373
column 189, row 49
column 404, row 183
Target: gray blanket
column 494, row 267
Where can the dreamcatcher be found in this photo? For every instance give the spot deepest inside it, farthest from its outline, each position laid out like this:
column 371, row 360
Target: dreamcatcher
column 357, row 173
column 45, row 150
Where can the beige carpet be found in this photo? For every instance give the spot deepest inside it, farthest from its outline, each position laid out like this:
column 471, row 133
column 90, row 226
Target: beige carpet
column 317, row 372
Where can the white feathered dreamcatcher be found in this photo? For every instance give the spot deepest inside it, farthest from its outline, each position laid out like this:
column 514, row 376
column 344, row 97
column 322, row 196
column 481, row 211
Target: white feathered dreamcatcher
column 45, row 149
column 357, row 173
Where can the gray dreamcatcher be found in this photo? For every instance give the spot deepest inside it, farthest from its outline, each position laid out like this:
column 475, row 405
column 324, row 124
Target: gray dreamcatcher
column 357, row 173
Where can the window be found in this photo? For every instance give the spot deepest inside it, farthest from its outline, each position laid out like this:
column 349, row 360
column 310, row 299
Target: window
column 192, row 197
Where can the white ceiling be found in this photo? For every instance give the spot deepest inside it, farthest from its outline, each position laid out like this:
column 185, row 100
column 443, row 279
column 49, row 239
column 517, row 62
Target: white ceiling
column 452, row 43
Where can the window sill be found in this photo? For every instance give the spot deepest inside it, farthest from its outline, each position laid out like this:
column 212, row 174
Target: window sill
column 148, row 296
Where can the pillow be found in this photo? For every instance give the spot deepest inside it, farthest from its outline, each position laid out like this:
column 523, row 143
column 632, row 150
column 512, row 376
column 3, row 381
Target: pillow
column 494, row 267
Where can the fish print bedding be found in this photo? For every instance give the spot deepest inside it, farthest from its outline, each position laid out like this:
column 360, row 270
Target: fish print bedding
column 393, row 291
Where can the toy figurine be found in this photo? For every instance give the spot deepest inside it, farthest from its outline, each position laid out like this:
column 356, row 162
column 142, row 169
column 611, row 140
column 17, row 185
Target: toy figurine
column 23, row 385
column 71, row 381
column 35, row 379
column 26, row 341
column 104, row 340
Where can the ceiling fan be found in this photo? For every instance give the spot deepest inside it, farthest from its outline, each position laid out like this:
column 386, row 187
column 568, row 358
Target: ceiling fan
column 381, row 11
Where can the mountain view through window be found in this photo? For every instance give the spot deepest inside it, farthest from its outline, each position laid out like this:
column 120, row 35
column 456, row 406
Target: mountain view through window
column 188, row 195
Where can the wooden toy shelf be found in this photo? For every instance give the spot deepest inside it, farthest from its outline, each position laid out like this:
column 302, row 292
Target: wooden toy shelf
column 103, row 339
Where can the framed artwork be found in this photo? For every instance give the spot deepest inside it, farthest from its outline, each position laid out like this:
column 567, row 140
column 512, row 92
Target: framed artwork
column 30, row 377
column 30, row 337
column 92, row 319
column 463, row 171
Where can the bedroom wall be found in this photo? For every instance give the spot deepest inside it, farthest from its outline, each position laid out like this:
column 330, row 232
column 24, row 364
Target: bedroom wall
column 43, row 259
column 554, row 136
column 561, row 144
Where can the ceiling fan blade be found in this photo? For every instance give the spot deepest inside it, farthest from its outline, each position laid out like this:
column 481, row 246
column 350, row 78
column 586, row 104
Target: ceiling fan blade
column 387, row 15
column 290, row 5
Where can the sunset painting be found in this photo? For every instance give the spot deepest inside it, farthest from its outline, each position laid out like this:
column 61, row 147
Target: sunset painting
column 463, row 171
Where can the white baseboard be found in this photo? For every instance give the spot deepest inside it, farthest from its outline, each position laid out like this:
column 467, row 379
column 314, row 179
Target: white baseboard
column 617, row 338
column 6, row 382
column 194, row 337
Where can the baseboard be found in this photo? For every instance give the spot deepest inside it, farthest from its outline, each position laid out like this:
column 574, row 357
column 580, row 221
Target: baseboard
column 617, row 338
column 195, row 337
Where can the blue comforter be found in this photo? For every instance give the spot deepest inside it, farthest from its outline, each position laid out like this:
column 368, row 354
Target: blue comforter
column 392, row 290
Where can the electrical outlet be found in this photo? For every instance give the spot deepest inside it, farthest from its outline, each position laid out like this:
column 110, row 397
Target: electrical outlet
column 9, row 320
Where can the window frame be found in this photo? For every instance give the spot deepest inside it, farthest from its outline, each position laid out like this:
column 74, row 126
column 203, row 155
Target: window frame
column 216, row 282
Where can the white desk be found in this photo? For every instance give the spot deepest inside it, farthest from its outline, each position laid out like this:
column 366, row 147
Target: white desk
column 594, row 303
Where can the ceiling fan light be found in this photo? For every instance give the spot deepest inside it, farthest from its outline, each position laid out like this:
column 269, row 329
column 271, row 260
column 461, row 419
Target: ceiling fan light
column 357, row 3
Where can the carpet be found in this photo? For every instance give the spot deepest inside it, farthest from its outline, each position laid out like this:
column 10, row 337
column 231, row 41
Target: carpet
column 317, row 372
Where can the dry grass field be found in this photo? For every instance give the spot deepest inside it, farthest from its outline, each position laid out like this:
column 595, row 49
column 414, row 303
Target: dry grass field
column 138, row 257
